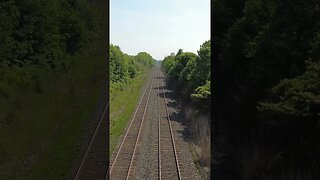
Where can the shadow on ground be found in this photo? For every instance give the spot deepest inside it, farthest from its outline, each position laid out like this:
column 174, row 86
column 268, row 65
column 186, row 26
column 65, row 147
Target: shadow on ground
column 177, row 115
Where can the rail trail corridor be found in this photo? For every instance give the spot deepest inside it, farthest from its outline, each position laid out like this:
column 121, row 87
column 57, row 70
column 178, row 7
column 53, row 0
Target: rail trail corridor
column 153, row 145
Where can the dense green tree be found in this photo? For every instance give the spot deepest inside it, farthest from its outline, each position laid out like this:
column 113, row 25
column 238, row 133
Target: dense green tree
column 118, row 65
column 187, row 64
column 295, row 100
column 145, row 59
column 124, row 67
column 180, row 62
column 201, row 70
column 133, row 68
column 38, row 39
column 9, row 22
column 191, row 71
column 51, row 57
column 298, row 97
column 256, row 47
column 202, row 92
column 168, row 63
column 44, row 32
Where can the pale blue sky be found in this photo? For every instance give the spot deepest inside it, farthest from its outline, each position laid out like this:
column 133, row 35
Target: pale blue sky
column 159, row 27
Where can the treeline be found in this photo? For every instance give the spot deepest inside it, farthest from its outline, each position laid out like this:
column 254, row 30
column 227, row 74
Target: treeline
column 192, row 72
column 39, row 37
column 267, row 89
column 44, row 32
column 124, row 67
column 52, row 52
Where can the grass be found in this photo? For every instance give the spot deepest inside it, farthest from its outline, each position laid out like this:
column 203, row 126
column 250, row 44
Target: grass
column 123, row 100
column 41, row 139
column 200, row 130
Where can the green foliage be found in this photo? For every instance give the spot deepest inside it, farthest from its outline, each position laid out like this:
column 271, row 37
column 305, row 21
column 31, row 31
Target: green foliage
column 168, row 63
column 202, row 92
column 123, row 99
column 118, row 65
column 296, row 98
column 145, row 59
column 263, row 45
column 50, row 60
column 257, row 44
column 192, row 71
column 201, row 70
column 127, row 74
column 133, row 68
column 188, row 64
column 124, row 67
column 181, row 60
column 39, row 108
column 44, row 32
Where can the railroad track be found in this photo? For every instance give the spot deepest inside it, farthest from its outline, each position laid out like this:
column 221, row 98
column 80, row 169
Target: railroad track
column 93, row 163
column 125, row 162
column 168, row 164
column 124, row 165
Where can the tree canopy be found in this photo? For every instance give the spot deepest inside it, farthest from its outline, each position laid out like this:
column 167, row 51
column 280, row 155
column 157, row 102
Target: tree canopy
column 124, row 67
column 191, row 71
column 267, row 53
column 44, row 32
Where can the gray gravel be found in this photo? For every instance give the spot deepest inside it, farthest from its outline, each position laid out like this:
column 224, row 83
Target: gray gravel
column 187, row 166
column 148, row 157
column 147, row 167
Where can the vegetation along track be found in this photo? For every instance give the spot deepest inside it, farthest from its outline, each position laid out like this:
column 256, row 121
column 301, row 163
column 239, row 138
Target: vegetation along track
column 125, row 162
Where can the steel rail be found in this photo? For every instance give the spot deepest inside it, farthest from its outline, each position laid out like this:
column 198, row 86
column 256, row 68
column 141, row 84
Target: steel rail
column 91, row 142
column 159, row 144
column 141, row 124
column 172, row 138
column 122, row 142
